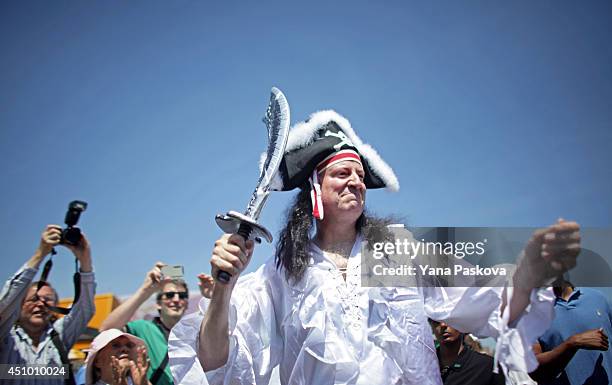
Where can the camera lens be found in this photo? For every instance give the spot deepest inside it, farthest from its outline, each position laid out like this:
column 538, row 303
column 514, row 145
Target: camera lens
column 71, row 236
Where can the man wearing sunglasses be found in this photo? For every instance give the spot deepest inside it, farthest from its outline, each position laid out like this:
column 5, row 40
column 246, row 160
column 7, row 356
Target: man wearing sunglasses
column 172, row 300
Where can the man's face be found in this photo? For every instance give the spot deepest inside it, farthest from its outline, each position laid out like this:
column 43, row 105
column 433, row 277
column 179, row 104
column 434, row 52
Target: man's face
column 34, row 311
column 444, row 333
column 171, row 305
column 343, row 190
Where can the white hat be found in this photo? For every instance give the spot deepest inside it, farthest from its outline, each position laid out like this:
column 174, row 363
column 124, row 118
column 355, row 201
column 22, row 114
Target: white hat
column 99, row 343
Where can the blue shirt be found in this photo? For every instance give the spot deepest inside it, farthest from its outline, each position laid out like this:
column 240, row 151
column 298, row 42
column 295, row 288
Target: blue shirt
column 584, row 310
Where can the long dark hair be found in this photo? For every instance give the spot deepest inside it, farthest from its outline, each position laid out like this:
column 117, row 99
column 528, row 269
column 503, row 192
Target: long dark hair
column 292, row 245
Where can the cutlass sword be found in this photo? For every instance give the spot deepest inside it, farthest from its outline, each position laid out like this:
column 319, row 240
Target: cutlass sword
column 277, row 122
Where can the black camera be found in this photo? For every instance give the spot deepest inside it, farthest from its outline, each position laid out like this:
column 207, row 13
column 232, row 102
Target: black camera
column 71, row 235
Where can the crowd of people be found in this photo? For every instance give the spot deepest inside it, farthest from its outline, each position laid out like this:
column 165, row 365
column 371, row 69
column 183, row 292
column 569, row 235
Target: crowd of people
column 123, row 352
column 305, row 311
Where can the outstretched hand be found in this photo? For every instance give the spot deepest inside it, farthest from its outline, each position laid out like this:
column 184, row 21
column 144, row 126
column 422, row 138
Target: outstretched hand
column 153, row 280
column 206, row 284
column 549, row 253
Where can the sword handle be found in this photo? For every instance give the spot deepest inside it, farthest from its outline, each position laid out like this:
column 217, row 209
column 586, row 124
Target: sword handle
column 245, row 232
column 224, row 276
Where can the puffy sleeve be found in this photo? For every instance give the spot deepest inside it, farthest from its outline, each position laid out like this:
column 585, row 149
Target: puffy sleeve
column 477, row 310
column 471, row 307
column 255, row 344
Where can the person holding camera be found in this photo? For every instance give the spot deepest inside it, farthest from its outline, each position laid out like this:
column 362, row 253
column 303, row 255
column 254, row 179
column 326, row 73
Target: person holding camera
column 172, row 300
column 29, row 331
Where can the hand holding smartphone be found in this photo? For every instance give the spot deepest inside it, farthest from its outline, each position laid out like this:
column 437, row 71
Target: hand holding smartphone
column 172, row 272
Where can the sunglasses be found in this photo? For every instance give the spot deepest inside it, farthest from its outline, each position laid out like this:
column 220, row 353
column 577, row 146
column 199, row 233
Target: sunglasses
column 171, row 294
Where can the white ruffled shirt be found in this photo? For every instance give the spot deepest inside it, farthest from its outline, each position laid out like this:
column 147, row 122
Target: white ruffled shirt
column 328, row 330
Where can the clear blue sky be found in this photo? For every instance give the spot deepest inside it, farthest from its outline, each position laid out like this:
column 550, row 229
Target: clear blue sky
column 491, row 114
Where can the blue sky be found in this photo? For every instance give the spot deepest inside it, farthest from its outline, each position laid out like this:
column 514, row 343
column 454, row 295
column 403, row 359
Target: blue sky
column 491, row 114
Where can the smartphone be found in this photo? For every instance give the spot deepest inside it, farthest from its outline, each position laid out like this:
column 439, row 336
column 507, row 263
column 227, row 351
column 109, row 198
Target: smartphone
column 172, row 272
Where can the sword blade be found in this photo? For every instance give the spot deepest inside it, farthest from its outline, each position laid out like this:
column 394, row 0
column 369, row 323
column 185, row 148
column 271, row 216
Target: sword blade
column 277, row 120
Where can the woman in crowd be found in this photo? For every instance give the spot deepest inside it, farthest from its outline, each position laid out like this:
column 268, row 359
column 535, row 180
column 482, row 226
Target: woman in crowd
column 117, row 358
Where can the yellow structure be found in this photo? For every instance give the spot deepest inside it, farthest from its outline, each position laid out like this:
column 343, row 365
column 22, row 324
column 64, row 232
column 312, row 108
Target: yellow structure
column 105, row 303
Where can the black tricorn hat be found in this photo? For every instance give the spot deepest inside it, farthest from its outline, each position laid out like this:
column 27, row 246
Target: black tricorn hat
column 323, row 134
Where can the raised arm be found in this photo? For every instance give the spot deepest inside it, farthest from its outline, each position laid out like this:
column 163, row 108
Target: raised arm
column 74, row 323
column 549, row 253
column 500, row 312
column 231, row 254
column 50, row 238
column 119, row 317
column 16, row 287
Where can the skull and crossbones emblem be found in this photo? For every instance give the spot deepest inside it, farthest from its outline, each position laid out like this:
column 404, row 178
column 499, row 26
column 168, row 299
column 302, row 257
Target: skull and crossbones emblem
column 344, row 140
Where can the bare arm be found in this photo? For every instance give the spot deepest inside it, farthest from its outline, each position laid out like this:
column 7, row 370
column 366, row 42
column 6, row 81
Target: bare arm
column 74, row 323
column 36, row 259
column 553, row 362
column 231, row 254
column 82, row 252
column 214, row 331
column 119, row 317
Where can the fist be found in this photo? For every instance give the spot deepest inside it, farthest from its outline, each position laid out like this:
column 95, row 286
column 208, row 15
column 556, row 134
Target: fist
column 51, row 236
column 232, row 255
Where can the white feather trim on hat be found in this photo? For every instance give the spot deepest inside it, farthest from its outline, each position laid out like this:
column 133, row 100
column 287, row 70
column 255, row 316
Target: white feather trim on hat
column 302, row 134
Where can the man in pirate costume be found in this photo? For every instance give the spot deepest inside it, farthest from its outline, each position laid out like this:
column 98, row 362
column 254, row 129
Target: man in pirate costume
column 305, row 309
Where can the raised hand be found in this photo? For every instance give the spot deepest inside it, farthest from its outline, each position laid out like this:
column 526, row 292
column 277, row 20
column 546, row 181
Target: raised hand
column 206, row 284
column 119, row 372
column 51, row 236
column 138, row 369
column 153, row 279
column 231, row 254
column 549, row 253
column 82, row 252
